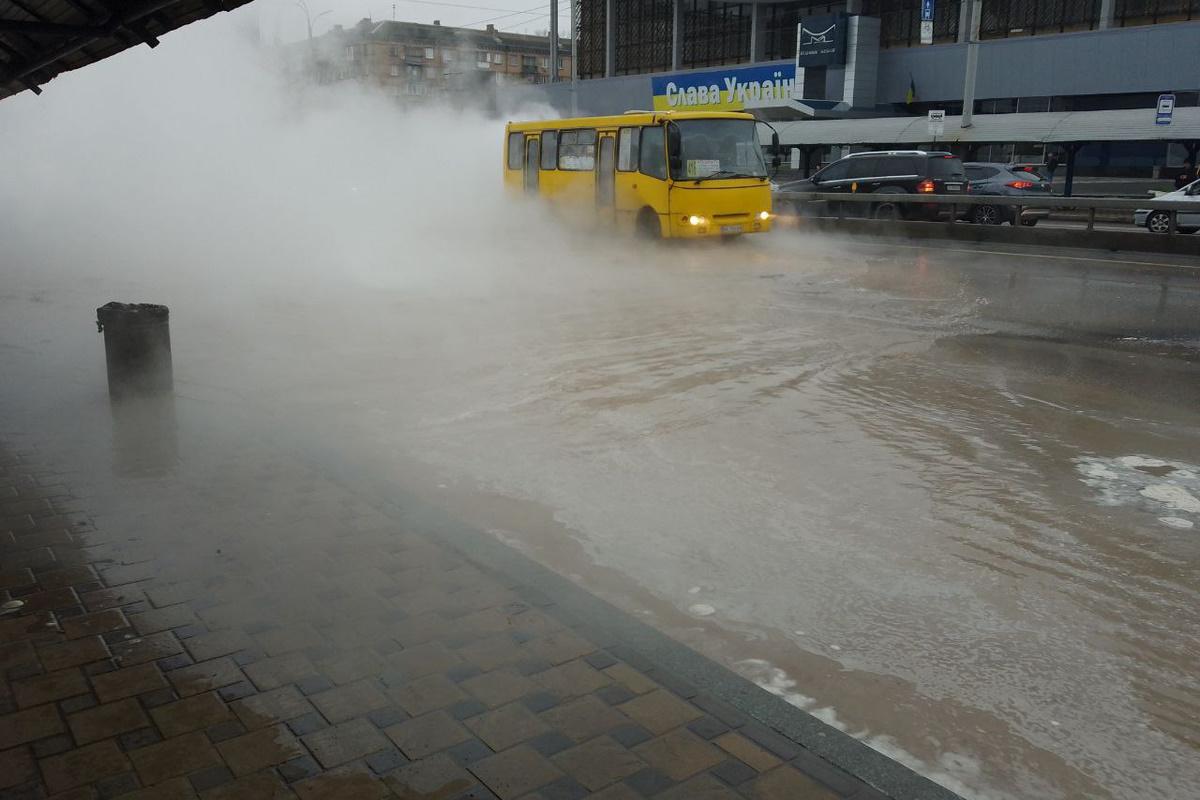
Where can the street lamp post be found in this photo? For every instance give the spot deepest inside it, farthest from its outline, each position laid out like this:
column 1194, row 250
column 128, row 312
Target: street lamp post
column 309, row 19
column 973, row 19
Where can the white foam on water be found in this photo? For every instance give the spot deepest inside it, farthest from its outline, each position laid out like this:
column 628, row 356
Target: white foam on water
column 1146, row 482
column 702, row 610
column 955, row 771
column 1140, row 461
column 1173, row 496
column 694, row 590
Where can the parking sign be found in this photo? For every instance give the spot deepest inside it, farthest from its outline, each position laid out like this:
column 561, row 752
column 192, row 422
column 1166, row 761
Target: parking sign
column 937, row 123
column 1166, row 109
column 926, row 21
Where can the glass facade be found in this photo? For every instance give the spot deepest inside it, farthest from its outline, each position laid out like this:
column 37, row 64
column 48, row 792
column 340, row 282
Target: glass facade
column 717, row 33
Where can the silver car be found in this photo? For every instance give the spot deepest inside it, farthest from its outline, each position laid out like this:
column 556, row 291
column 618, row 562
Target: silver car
column 1160, row 222
column 1002, row 180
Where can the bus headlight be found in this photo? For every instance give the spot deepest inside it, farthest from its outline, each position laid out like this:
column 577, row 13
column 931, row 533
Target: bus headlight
column 764, row 215
column 695, row 220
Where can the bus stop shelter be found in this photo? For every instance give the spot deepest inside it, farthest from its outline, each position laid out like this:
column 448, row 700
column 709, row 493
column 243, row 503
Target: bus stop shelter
column 1070, row 130
column 40, row 39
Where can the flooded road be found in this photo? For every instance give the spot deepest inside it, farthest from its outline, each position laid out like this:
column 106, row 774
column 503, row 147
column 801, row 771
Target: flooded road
column 947, row 501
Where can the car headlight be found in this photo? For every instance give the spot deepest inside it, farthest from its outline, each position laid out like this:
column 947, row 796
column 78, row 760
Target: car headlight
column 695, row 220
column 764, row 215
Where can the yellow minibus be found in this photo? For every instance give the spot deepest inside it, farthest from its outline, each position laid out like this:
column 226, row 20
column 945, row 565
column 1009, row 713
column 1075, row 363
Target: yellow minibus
column 663, row 174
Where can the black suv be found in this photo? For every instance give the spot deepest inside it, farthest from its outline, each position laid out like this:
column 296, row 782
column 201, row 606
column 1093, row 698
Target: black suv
column 890, row 172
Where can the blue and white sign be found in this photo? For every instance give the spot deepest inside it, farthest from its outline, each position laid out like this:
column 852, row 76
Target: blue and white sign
column 1166, row 109
column 723, row 89
column 927, row 21
column 927, row 10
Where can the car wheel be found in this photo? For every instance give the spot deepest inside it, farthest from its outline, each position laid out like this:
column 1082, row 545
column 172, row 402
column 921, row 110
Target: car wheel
column 886, row 211
column 987, row 215
column 1158, row 222
column 1029, row 223
column 648, row 226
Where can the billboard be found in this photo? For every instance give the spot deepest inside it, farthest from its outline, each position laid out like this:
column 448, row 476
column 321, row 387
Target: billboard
column 821, row 41
column 723, row 89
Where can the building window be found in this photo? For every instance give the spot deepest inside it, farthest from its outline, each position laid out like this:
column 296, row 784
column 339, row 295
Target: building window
column 715, row 33
column 394, row 52
column 513, row 59
column 448, row 56
column 482, row 59
column 644, row 35
column 429, row 54
column 350, row 53
column 577, row 150
column 497, row 58
column 395, row 70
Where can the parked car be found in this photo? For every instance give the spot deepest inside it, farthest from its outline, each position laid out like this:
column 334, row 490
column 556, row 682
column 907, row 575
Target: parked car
column 890, row 172
column 1157, row 221
column 1003, row 180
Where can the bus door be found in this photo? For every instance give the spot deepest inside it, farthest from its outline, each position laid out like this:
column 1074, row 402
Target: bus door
column 533, row 159
column 606, row 174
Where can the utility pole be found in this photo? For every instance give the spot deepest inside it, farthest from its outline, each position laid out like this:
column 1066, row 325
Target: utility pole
column 554, row 41
column 973, row 20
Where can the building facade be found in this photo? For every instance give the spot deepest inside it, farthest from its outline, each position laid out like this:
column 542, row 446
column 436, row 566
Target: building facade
column 415, row 60
column 1034, row 56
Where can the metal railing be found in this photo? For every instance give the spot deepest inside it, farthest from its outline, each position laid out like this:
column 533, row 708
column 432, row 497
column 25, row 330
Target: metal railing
column 838, row 202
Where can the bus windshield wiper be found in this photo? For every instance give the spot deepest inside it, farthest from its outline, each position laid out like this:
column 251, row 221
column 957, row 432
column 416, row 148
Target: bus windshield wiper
column 725, row 173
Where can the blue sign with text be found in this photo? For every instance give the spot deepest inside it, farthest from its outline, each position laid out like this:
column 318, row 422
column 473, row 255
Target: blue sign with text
column 927, row 10
column 1166, row 109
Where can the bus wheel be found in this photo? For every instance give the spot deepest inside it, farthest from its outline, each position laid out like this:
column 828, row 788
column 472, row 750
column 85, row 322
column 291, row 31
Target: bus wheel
column 648, row 226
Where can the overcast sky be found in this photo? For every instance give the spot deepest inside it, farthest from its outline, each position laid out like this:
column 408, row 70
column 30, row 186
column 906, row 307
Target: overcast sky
column 283, row 18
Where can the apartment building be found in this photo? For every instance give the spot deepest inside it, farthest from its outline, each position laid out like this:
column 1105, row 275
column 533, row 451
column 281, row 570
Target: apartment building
column 412, row 59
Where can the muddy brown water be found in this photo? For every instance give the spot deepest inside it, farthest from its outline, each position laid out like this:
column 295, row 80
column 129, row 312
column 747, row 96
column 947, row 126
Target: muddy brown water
column 948, row 501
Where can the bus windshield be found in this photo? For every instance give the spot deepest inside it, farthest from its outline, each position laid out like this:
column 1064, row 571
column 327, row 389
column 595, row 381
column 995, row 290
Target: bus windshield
column 719, row 148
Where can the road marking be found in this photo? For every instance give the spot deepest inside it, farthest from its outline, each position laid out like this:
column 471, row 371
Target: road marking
column 1109, row 261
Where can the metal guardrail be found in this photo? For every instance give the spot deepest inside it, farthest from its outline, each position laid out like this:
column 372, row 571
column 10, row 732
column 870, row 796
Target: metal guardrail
column 1090, row 204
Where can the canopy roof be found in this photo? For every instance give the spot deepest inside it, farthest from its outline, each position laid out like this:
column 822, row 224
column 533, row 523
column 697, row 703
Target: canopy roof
column 40, row 39
column 1126, row 125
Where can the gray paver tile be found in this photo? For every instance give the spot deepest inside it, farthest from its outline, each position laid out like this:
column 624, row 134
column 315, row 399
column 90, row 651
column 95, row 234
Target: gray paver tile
column 506, row 726
column 785, row 783
column 598, row 763
column 680, row 754
column 425, row 735
column 338, row 744
column 514, row 772
column 660, row 711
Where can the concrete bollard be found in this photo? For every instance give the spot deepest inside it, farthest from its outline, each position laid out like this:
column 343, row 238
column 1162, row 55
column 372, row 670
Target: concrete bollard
column 137, row 349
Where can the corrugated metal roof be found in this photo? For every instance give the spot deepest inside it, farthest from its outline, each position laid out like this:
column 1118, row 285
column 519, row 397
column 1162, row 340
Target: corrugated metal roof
column 40, row 39
column 1132, row 125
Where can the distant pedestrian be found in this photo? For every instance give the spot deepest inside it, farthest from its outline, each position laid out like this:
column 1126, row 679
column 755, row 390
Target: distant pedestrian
column 1051, row 166
column 1183, row 179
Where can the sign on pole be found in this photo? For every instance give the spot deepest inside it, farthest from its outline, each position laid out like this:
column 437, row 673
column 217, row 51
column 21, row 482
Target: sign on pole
column 937, row 123
column 1166, row 109
column 926, row 21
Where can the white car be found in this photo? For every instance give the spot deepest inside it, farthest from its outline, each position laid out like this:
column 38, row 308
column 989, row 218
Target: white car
column 1185, row 221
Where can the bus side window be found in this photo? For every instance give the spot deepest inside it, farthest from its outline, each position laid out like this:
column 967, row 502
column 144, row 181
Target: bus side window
column 549, row 149
column 653, row 153
column 627, row 149
column 577, row 150
column 516, row 150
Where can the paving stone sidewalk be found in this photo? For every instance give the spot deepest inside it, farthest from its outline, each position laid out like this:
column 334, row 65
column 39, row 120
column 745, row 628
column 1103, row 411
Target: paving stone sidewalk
column 261, row 632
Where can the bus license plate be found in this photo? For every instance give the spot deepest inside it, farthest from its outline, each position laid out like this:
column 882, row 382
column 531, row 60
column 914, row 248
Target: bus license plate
column 731, row 229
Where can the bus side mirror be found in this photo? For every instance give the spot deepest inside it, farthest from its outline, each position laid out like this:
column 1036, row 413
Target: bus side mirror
column 776, row 151
column 674, row 149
